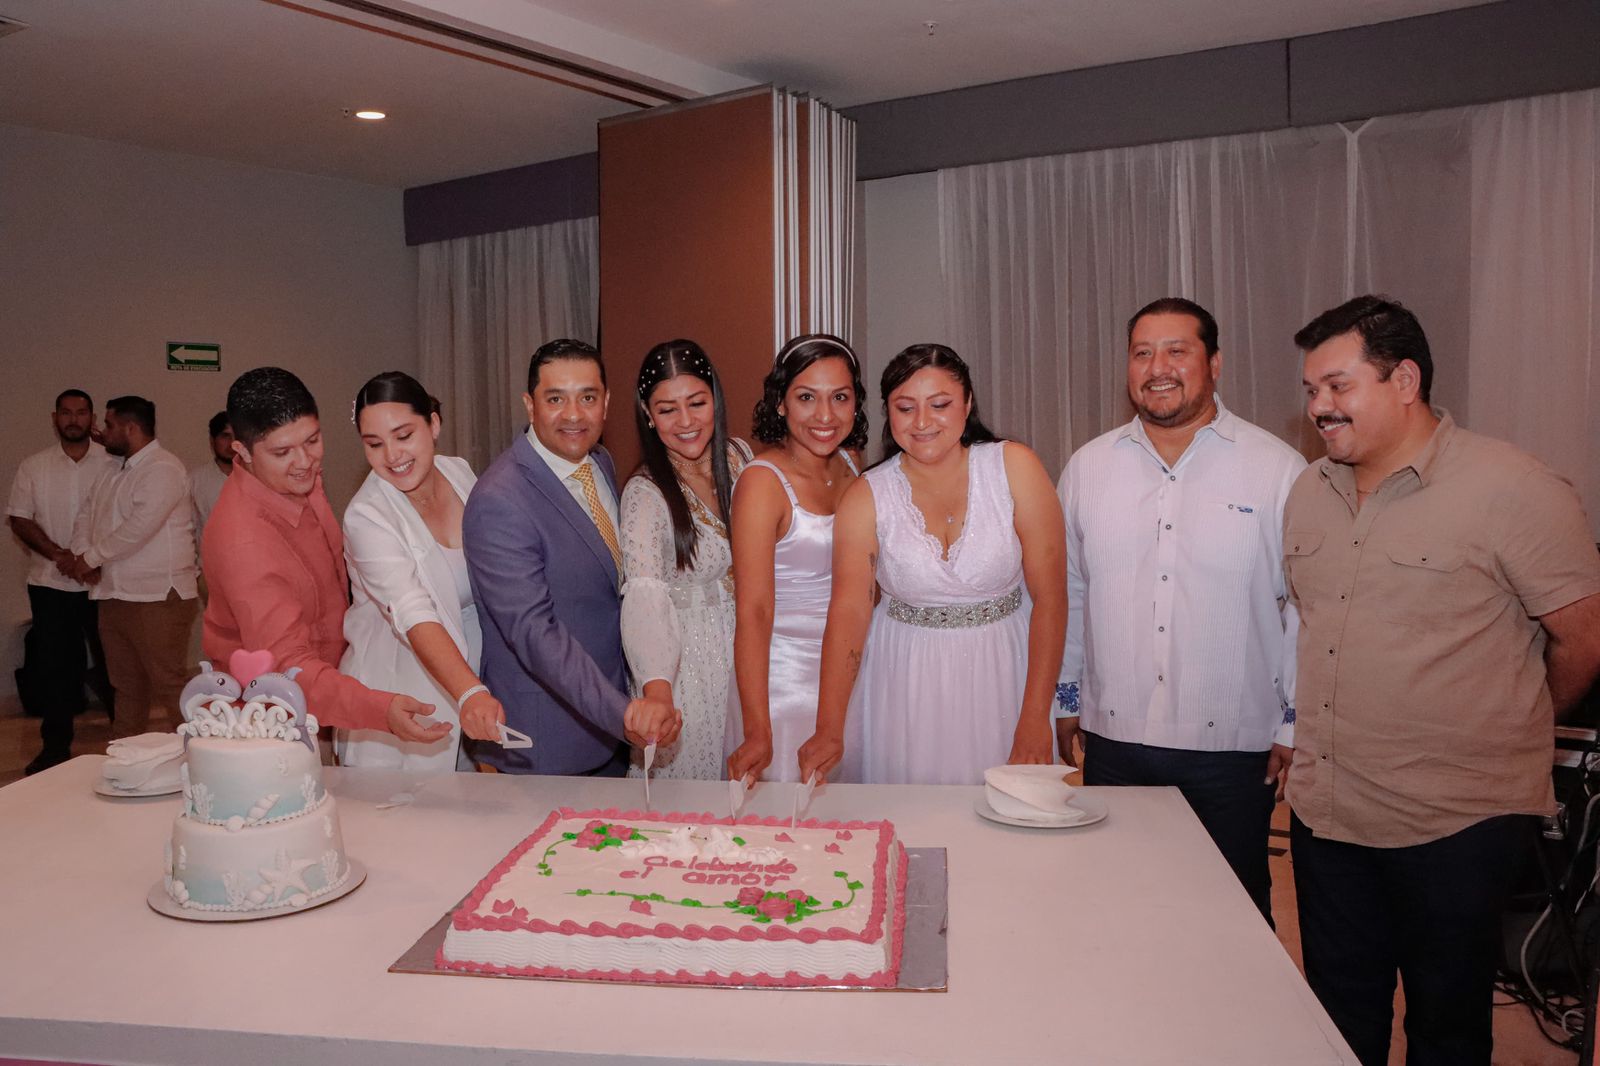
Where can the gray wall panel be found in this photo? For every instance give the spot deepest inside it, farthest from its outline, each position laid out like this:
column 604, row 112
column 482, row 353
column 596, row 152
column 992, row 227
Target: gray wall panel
column 1226, row 90
column 533, row 195
column 1469, row 56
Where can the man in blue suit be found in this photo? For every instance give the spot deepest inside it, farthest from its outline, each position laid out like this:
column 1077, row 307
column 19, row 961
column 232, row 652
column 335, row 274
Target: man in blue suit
column 540, row 533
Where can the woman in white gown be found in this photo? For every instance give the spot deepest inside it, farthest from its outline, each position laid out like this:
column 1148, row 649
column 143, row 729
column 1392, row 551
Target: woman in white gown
column 811, row 410
column 959, row 667
column 677, row 595
column 411, row 626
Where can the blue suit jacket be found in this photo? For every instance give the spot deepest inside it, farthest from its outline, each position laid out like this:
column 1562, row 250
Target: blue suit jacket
column 546, row 591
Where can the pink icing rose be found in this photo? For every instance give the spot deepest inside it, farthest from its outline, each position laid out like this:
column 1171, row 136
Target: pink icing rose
column 776, row 907
column 588, row 839
column 503, row 906
column 784, row 838
column 639, row 906
column 750, row 895
column 621, row 832
column 594, row 824
column 797, row 894
column 843, row 834
column 832, row 849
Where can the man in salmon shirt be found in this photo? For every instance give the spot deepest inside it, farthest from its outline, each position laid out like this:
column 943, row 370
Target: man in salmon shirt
column 273, row 558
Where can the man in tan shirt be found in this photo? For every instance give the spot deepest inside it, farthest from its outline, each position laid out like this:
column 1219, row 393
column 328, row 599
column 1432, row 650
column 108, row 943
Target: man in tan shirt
column 1449, row 595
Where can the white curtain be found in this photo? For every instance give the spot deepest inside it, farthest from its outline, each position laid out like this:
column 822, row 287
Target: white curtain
column 826, row 269
column 485, row 303
column 1484, row 220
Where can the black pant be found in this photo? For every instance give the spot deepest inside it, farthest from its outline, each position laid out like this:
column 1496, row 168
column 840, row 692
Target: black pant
column 1431, row 912
column 1225, row 790
column 63, row 622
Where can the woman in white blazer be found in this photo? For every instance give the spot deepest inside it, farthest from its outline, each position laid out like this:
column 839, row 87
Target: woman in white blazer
column 412, row 626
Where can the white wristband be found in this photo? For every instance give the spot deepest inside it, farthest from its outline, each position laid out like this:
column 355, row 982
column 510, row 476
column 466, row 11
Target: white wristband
column 461, row 700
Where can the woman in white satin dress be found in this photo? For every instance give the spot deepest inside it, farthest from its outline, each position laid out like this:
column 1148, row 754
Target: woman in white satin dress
column 957, row 666
column 677, row 593
column 811, row 410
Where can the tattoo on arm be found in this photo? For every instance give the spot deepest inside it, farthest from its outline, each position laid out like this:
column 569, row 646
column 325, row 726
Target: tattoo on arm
column 853, row 661
column 872, row 587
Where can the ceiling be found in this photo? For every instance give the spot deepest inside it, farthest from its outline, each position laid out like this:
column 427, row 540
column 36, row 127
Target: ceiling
column 265, row 82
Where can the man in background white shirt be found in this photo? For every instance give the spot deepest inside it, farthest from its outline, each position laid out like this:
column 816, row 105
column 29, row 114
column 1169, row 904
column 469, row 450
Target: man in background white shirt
column 134, row 546
column 1180, row 649
column 49, row 490
column 207, row 479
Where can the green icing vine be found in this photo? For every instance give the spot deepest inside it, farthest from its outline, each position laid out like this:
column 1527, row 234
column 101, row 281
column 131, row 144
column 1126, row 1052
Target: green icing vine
column 763, row 907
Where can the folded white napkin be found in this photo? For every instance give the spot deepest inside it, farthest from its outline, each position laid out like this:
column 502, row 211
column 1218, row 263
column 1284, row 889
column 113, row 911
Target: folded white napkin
column 150, row 760
column 1028, row 791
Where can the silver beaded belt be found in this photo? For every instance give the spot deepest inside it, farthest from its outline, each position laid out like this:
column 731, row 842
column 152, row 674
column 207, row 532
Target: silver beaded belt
column 957, row 616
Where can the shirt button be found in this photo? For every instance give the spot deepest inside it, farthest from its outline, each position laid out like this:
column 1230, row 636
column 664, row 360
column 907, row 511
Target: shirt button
column 1161, row 629
column 1112, row 713
column 1330, row 651
column 1356, row 543
column 1341, row 595
column 1163, row 577
column 1161, row 677
column 1169, row 526
column 1324, row 706
column 1210, row 725
column 1324, row 758
column 1172, row 477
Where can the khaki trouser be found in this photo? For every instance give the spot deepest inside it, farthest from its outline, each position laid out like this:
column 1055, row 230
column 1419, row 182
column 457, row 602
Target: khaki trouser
column 145, row 645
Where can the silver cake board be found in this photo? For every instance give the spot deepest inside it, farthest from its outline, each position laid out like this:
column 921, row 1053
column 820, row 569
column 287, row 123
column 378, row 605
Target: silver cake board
column 923, row 958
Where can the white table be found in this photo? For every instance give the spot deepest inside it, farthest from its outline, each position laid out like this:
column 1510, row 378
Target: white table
column 1125, row 942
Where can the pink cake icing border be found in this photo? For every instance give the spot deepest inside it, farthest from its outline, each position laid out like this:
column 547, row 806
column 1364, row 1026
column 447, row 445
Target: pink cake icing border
column 464, row 919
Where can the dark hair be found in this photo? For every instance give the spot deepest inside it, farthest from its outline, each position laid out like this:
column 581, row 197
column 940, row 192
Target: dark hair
column 1177, row 305
column 265, row 399
column 394, row 386
column 1389, row 333
column 136, row 409
column 79, row 393
column 768, row 424
column 665, row 362
column 939, row 357
column 218, row 423
column 563, row 348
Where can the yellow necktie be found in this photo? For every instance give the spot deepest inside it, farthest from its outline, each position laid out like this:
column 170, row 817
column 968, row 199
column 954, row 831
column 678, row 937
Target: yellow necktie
column 584, row 476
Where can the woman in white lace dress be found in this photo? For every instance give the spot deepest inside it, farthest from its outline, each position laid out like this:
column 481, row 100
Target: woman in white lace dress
column 811, row 411
column 957, row 672
column 677, row 592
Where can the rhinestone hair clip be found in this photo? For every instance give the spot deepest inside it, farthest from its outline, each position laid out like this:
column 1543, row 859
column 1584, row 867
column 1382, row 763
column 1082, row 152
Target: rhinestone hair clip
column 693, row 362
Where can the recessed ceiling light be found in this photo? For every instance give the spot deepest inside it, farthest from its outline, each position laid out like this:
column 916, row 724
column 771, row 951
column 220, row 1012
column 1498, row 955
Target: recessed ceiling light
column 371, row 116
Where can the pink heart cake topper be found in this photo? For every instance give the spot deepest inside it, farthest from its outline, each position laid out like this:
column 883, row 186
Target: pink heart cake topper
column 246, row 666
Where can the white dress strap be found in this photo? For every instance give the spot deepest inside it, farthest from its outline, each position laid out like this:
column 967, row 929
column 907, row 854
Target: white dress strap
column 851, row 463
column 794, row 501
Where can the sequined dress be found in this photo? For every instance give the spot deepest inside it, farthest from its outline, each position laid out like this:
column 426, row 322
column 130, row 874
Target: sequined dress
column 802, row 580
column 938, row 696
column 677, row 625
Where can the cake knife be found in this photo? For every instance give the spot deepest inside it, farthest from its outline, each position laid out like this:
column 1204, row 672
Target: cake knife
column 649, row 760
column 802, row 798
column 512, row 738
column 737, row 790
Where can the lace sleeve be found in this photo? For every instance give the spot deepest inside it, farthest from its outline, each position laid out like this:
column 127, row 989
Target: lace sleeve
column 650, row 635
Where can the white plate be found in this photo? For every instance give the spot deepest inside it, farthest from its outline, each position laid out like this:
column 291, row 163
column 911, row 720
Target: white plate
column 1087, row 810
column 104, row 789
column 162, row 903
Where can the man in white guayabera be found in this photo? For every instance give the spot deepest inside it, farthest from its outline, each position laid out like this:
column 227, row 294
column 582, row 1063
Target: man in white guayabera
column 1180, row 658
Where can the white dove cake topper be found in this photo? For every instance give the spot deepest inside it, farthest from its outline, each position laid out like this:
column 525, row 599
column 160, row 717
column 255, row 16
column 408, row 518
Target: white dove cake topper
column 251, row 701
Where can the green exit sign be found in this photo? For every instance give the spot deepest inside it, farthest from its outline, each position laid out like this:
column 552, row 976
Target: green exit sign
column 186, row 355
